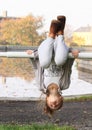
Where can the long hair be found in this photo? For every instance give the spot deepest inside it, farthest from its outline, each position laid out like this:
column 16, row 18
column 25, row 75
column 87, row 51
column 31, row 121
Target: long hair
column 47, row 109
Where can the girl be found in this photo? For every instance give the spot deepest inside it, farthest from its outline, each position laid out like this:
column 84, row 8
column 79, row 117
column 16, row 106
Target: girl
column 53, row 65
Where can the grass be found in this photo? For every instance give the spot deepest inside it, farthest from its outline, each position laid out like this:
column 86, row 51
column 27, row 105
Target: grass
column 79, row 98
column 35, row 127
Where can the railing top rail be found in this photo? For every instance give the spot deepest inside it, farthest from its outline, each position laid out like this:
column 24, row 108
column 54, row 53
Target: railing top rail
column 82, row 55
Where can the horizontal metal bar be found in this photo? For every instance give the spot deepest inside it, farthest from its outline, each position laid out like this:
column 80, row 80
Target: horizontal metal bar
column 82, row 55
column 16, row 55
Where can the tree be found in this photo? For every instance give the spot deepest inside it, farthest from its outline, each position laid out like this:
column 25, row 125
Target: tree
column 78, row 39
column 21, row 30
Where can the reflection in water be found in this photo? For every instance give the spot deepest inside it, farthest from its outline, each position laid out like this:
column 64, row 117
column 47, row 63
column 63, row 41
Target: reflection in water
column 17, row 67
column 17, row 78
column 3, row 80
column 18, row 87
column 22, row 88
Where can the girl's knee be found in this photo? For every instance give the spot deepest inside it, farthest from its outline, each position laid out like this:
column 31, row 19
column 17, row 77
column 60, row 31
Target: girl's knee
column 45, row 62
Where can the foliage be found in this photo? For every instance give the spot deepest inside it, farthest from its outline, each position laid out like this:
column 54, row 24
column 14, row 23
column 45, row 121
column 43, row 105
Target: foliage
column 21, row 31
column 72, row 44
column 78, row 40
column 35, row 127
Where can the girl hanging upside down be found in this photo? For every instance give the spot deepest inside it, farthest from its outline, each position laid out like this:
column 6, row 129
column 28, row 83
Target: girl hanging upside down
column 53, row 65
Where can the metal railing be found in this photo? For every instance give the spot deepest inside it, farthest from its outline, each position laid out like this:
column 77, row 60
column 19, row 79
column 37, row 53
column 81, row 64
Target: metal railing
column 82, row 55
column 20, row 51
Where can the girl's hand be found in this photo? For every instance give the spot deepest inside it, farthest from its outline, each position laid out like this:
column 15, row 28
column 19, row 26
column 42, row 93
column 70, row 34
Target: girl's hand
column 75, row 53
column 29, row 52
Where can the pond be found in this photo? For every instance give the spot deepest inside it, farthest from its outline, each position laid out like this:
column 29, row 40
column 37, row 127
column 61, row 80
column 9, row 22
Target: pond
column 20, row 88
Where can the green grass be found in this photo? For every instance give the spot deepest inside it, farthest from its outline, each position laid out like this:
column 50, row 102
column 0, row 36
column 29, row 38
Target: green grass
column 35, row 127
column 79, row 98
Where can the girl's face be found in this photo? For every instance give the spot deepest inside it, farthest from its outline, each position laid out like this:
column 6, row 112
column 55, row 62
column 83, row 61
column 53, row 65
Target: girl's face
column 54, row 101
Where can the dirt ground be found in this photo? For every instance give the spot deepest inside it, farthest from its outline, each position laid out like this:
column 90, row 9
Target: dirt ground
column 77, row 114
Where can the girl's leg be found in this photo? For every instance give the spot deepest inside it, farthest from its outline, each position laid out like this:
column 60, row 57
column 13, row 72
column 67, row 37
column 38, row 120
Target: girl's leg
column 45, row 51
column 61, row 50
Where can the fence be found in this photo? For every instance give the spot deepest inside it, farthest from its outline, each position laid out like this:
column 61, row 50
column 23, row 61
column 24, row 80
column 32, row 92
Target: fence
column 85, row 66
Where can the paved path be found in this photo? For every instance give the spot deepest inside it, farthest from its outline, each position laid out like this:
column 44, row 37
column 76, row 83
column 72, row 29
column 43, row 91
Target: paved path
column 77, row 114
